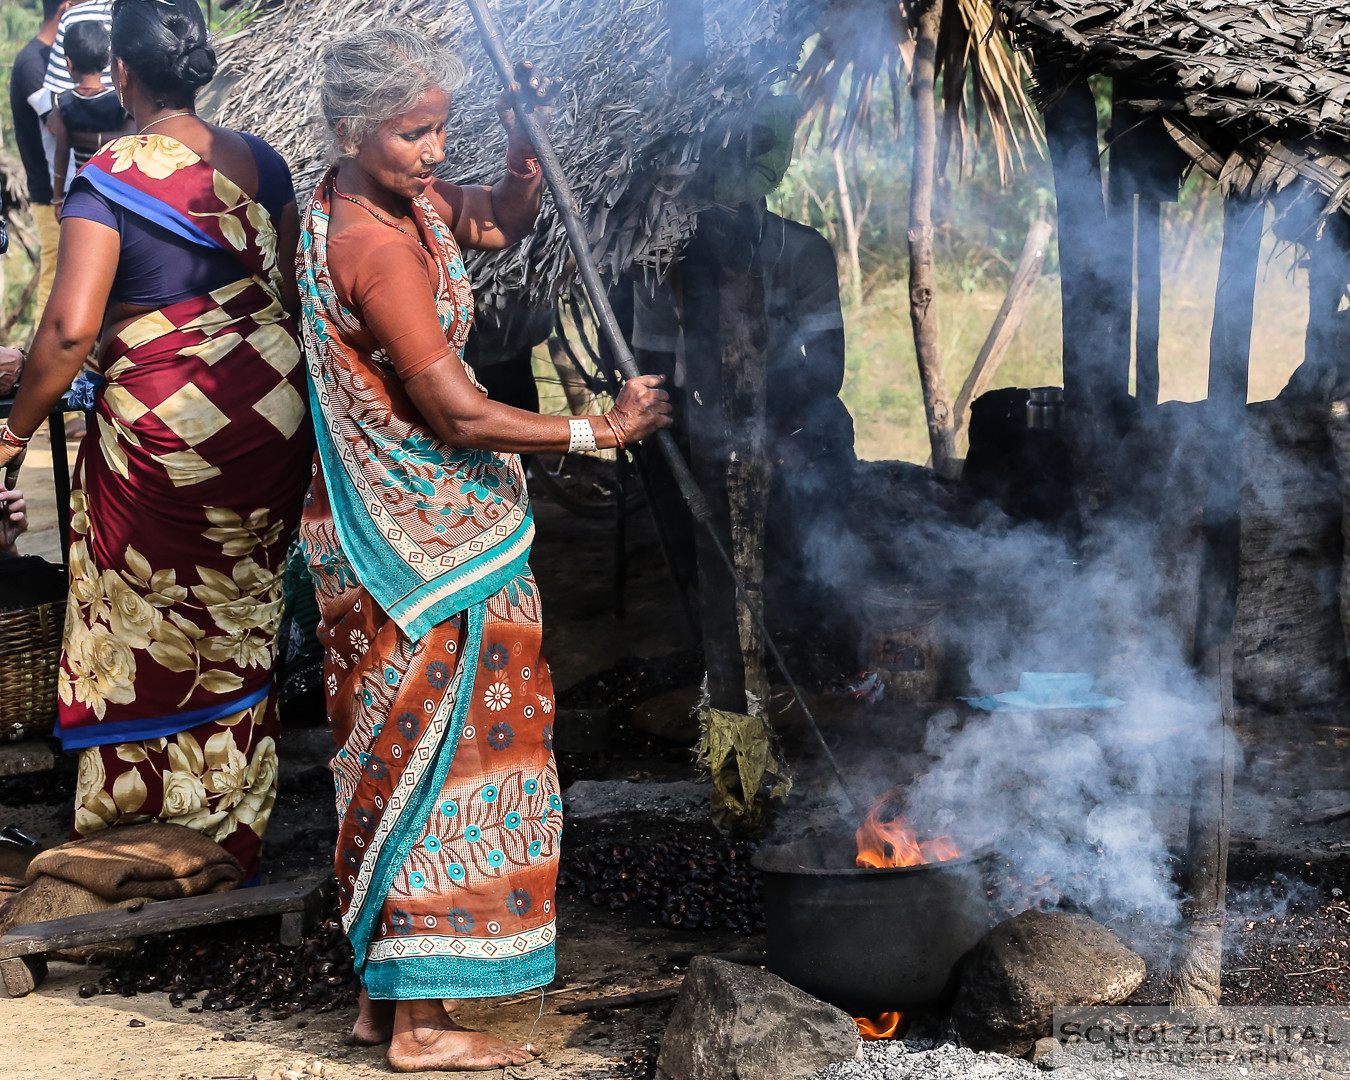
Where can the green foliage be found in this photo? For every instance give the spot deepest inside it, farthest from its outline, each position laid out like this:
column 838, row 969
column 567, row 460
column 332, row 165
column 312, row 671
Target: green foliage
column 18, row 23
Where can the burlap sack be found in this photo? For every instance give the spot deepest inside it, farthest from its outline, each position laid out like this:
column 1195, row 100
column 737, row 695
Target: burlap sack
column 154, row 861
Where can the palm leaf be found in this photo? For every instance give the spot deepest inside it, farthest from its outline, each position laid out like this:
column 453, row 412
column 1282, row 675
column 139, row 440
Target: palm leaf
column 866, row 41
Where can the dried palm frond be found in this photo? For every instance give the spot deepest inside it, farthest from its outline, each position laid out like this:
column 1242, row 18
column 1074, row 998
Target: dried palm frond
column 628, row 133
column 1253, row 93
column 866, row 41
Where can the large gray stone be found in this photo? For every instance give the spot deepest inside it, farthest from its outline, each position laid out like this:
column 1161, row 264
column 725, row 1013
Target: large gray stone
column 1027, row 966
column 734, row 1022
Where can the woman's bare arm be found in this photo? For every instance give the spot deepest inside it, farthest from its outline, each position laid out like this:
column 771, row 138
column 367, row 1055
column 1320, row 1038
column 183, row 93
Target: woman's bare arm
column 60, row 157
column 497, row 217
column 85, row 265
column 462, row 416
column 288, row 243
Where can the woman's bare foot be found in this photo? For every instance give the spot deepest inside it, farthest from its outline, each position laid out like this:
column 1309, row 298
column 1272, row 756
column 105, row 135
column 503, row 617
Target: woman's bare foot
column 374, row 1023
column 426, row 1038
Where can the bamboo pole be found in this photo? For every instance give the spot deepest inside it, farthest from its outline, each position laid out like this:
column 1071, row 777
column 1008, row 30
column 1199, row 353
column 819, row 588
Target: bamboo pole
column 1197, row 954
column 1005, row 325
column 922, row 280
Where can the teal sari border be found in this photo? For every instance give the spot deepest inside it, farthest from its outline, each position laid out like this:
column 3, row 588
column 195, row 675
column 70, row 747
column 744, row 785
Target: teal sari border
column 410, row 823
column 455, row 602
column 421, row 977
column 394, row 585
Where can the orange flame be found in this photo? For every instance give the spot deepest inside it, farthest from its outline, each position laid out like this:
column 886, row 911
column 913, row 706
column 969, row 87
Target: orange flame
column 885, row 838
column 883, row 1027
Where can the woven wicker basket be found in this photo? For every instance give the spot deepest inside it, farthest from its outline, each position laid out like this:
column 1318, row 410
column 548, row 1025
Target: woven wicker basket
column 30, row 652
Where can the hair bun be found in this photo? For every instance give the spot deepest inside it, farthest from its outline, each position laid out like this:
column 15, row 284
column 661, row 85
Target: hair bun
column 196, row 66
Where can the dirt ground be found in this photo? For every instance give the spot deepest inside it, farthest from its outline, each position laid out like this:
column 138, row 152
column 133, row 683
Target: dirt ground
column 1303, row 958
column 56, row 1033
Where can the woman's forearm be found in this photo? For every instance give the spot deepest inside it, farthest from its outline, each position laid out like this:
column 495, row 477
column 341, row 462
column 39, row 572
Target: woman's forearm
column 460, row 421
column 53, row 363
column 515, row 203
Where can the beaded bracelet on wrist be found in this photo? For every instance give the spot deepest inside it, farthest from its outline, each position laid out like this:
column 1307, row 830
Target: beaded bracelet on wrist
column 7, row 436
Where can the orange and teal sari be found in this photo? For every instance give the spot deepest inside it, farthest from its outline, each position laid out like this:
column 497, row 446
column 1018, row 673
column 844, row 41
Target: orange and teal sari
column 438, row 694
column 187, row 493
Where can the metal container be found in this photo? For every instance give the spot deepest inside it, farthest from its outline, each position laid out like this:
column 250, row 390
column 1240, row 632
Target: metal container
column 866, row 940
column 902, row 642
column 1045, row 408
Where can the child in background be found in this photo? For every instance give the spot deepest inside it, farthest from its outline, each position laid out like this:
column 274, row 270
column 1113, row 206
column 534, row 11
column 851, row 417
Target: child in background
column 89, row 115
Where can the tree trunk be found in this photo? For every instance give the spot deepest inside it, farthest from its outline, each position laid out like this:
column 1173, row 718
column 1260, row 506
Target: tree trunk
column 1006, row 322
column 922, row 281
column 854, row 276
column 1197, row 953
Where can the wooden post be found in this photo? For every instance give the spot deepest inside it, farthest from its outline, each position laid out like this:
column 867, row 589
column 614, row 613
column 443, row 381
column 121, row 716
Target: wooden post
column 1145, row 163
column 726, row 339
column 1122, row 184
column 745, row 337
column 1325, row 364
column 1198, row 951
column 1005, row 325
column 922, row 280
column 1148, row 310
column 1092, row 378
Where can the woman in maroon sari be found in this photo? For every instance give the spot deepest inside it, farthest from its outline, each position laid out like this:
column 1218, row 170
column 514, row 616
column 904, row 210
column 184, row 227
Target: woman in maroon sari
column 176, row 255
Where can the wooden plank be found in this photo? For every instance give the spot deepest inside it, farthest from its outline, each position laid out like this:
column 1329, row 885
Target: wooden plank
column 161, row 917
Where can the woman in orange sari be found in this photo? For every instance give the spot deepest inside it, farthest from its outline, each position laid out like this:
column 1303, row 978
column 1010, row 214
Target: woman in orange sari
column 176, row 247
column 418, row 532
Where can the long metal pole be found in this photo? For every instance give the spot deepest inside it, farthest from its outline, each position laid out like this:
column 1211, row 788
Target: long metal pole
column 569, row 212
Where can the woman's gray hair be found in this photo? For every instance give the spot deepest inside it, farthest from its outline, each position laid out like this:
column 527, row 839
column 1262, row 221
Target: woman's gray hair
column 375, row 75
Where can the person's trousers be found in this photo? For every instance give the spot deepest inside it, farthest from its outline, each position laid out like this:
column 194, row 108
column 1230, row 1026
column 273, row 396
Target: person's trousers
column 49, row 238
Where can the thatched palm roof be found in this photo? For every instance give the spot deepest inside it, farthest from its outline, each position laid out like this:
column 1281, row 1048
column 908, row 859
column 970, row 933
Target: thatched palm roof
column 1258, row 93
column 628, row 133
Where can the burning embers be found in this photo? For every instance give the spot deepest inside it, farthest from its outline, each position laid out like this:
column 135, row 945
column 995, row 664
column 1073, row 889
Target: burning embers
column 886, row 840
column 883, row 1027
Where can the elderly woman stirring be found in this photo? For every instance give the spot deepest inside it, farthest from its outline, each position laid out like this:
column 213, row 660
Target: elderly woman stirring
column 417, row 532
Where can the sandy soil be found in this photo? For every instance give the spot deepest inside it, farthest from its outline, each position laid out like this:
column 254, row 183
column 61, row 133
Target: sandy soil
column 55, row 1033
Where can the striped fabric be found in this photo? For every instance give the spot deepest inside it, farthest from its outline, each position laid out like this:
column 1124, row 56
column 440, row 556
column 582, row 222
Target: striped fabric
column 58, row 79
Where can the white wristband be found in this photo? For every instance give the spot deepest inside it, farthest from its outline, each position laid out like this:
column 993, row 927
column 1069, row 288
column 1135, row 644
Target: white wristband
column 582, row 437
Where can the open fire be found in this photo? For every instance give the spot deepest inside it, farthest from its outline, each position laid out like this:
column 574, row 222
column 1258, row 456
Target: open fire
column 885, row 840
column 883, row 1026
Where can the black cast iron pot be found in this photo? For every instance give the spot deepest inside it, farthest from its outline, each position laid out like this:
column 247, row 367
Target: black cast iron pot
column 866, row 940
